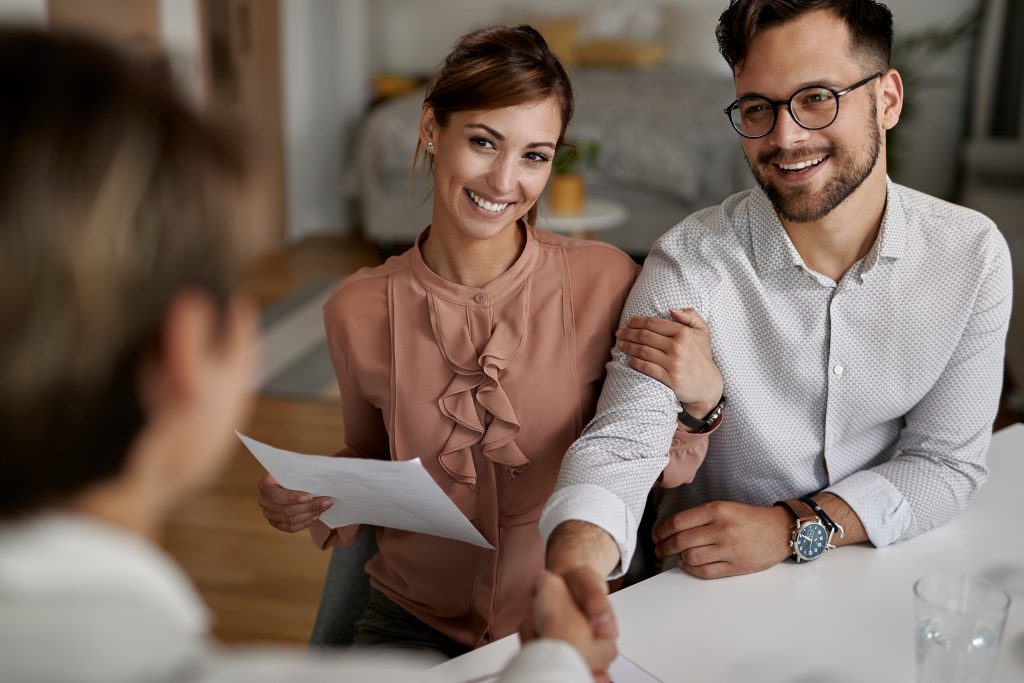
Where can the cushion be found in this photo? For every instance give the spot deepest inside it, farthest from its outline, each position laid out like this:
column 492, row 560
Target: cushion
column 620, row 54
column 560, row 35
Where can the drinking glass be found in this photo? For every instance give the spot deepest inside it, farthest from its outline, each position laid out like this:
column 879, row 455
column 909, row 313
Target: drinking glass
column 960, row 623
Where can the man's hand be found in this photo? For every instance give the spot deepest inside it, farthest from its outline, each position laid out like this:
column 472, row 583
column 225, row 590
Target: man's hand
column 289, row 510
column 725, row 539
column 556, row 613
column 677, row 354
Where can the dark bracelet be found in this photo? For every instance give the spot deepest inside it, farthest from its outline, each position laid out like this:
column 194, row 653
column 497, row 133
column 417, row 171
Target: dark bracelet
column 822, row 515
column 711, row 418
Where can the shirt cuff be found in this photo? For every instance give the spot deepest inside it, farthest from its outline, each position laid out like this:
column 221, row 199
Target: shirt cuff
column 598, row 506
column 883, row 510
column 546, row 660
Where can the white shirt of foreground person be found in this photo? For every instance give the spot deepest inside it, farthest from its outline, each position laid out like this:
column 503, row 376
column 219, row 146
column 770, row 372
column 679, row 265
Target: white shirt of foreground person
column 87, row 602
column 880, row 388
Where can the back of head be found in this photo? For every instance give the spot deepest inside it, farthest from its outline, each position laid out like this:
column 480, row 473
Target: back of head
column 113, row 200
column 869, row 22
column 495, row 67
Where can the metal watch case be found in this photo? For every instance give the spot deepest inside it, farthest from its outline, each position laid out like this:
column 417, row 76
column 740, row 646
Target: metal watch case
column 810, row 540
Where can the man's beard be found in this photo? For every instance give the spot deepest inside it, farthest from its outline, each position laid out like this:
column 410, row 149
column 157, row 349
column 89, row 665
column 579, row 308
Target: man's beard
column 800, row 204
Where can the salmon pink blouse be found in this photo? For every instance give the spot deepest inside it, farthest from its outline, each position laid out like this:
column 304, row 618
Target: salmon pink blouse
column 488, row 387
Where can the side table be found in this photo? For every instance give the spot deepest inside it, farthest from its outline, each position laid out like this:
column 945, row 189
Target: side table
column 597, row 214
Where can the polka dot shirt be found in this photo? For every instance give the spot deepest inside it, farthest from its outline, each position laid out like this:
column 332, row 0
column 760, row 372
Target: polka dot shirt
column 880, row 388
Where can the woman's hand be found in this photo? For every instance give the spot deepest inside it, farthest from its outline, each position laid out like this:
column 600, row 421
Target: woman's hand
column 677, row 353
column 289, row 510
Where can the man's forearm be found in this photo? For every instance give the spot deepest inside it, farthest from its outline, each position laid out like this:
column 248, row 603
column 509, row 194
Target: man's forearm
column 840, row 511
column 581, row 544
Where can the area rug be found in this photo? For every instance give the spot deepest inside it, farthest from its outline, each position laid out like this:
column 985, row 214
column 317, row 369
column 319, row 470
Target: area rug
column 296, row 363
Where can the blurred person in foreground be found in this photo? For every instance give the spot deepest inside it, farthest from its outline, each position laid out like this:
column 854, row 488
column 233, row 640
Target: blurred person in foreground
column 127, row 352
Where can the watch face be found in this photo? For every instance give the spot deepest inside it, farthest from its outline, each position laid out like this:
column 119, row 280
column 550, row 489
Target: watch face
column 811, row 540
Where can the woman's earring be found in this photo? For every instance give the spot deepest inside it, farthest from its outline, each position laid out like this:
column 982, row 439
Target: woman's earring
column 430, row 147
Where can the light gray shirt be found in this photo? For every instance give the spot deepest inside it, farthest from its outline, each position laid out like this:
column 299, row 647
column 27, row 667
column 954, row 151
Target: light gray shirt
column 880, row 388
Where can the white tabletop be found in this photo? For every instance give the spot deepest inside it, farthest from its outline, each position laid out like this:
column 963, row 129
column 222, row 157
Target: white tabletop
column 597, row 214
column 845, row 618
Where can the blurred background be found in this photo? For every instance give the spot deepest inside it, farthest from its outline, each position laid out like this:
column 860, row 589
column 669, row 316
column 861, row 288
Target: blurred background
column 329, row 92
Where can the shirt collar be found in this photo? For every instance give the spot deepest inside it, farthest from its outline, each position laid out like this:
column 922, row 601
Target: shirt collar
column 892, row 235
column 504, row 284
column 773, row 250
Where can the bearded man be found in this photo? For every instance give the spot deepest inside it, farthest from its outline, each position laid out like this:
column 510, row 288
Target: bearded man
column 856, row 326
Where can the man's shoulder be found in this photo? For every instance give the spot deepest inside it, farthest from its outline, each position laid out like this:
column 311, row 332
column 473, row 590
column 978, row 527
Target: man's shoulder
column 933, row 214
column 952, row 236
column 708, row 231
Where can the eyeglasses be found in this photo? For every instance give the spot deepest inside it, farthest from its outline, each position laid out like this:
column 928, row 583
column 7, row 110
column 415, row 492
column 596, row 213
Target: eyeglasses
column 814, row 107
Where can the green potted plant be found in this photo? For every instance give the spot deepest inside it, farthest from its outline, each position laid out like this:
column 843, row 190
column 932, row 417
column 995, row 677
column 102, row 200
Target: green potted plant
column 568, row 189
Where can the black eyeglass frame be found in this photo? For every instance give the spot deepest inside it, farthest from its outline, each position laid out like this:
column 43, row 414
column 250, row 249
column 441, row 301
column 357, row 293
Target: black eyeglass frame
column 789, row 106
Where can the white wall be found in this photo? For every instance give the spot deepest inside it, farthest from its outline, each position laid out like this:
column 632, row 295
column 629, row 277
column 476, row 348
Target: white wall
column 325, row 91
column 179, row 30
column 410, row 36
column 23, row 12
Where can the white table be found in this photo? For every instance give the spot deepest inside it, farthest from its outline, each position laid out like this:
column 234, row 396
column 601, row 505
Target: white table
column 845, row 618
column 597, row 214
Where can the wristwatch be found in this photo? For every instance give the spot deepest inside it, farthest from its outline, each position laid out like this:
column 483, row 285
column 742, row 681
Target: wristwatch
column 700, row 426
column 811, row 538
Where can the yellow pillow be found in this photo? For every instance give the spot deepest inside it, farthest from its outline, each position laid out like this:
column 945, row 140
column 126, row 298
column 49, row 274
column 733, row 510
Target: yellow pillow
column 560, row 35
column 620, row 54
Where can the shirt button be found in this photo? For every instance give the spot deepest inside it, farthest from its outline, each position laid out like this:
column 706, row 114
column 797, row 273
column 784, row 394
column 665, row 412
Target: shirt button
column 479, row 297
column 830, row 439
column 838, row 370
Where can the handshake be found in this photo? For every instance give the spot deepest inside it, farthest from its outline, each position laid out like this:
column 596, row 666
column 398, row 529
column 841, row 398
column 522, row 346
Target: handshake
column 574, row 607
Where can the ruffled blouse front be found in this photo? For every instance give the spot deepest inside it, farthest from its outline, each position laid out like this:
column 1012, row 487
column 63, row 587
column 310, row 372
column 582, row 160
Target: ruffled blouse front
column 477, row 343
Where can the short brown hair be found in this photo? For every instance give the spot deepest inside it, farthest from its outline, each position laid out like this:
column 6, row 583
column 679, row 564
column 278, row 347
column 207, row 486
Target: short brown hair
column 869, row 22
column 112, row 202
column 495, row 67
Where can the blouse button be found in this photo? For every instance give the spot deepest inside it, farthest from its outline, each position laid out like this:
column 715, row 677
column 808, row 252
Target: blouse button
column 479, row 297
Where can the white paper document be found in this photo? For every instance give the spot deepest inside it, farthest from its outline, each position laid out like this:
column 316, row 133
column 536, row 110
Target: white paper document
column 621, row 670
column 398, row 495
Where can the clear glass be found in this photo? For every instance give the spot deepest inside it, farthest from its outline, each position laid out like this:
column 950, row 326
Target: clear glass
column 960, row 622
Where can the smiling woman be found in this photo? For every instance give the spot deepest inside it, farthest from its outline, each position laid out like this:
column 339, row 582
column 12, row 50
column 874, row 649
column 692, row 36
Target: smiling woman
column 481, row 351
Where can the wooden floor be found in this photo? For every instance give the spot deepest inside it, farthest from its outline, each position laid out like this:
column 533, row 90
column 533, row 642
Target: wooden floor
column 264, row 585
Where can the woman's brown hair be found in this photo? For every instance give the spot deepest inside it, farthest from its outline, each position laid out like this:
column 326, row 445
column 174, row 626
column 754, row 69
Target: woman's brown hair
column 495, row 67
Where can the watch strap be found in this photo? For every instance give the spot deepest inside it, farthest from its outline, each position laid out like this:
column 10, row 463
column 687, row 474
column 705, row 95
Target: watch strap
column 804, row 516
column 801, row 517
column 702, row 425
column 820, row 511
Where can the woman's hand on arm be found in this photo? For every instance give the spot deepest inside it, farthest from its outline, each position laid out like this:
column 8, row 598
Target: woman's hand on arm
column 677, row 353
column 289, row 510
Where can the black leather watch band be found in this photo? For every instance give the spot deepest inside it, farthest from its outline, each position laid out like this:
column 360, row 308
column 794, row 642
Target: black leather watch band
column 822, row 515
column 705, row 424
